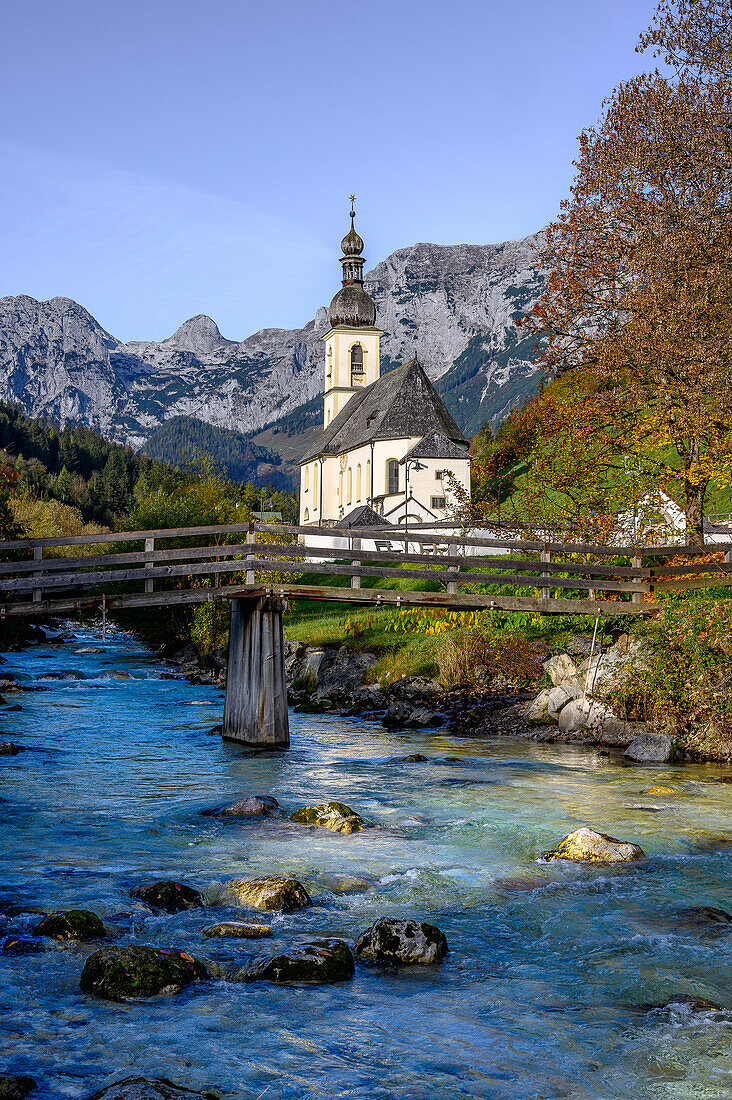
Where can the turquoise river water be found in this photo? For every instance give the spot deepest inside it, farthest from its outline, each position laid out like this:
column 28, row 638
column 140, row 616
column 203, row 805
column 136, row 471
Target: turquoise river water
column 552, row 967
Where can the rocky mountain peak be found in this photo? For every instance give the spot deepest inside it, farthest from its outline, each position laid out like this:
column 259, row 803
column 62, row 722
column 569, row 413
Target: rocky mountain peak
column 199, row 334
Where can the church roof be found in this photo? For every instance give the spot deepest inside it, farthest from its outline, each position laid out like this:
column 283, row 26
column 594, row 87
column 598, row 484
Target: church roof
column 436, row 445
column 362, row 516
column 400, row 404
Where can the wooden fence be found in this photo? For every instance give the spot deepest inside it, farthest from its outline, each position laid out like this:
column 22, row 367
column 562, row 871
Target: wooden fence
column 462, row 571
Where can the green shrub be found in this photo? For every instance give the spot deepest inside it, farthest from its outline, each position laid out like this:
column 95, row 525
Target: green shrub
column 683, row 684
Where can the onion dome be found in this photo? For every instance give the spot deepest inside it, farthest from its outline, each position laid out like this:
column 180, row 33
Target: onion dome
column 352, row 305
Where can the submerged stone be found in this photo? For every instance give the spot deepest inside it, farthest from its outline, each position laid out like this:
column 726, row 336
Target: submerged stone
column 149, row 1088
column 313, row 963
column 72, row 924
column 131, row 973
column 238, row 930
column 15, row 1087
column 252, row 806
column 170, row 896
column 335, row 816
column 587, row 846
column 21, row 945
column 704, row 916
column 660, row 788
column 9, row 748
column 402, row 943
column 413, row 758
column 275, row 894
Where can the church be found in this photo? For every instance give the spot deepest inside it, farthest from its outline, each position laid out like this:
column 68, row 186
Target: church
column 389, row 452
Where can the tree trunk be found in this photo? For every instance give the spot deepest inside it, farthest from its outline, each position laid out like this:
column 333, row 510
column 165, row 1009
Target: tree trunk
column 694, row 493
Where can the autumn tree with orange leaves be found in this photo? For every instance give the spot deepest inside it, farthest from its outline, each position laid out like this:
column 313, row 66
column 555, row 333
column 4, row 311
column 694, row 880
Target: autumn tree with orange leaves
column 638, row 299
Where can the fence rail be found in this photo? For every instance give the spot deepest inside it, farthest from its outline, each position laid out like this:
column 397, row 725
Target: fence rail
column 166, row 569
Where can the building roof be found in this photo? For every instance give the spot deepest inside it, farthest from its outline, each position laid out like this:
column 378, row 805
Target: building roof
column 398, row 405
column 362, row 516
column 436, row 445
column 352, row 306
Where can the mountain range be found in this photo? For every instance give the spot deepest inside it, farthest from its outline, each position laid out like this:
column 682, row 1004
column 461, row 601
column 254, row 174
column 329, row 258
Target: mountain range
column 453, row 306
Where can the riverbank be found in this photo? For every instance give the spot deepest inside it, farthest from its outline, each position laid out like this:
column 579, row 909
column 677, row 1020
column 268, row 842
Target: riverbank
column 556, row 975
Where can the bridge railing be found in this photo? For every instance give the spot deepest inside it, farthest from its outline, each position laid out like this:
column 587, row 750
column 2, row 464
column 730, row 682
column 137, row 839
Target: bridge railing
column 460, row 569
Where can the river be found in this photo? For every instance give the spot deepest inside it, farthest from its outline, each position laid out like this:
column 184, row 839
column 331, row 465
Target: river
column 550, row 964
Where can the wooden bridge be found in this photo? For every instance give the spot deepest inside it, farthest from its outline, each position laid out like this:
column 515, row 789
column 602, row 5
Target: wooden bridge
column 259, row 566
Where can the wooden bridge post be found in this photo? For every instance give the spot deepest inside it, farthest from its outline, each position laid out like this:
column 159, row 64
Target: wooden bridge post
column 251, row 538
column 37, row 556
column 452, row 550
column 255, row 707
column 355, row 579
column 545, row 591
column 636, row 597
column 149, row 547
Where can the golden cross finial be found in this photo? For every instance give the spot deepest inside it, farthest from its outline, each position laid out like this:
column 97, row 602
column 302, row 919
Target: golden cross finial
column 352, row 199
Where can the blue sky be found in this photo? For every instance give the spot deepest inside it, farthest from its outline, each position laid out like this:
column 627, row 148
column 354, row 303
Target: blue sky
column 161, row 158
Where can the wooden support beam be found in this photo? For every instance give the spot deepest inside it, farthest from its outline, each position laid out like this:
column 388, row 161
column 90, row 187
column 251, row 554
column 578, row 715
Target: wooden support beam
column 255, row 706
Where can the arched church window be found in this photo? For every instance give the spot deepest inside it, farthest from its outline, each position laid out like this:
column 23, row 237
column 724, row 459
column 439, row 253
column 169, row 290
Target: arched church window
column 306, row 486
column 349, row 485
column 392, row 476
column 315, row 486
column 356, row 365
column 306, row 515
column 329, row 371
column 358, row 482
column 340, row 486
column 368, row 477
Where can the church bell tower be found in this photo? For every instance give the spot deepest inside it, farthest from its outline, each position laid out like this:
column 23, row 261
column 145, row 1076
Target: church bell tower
column 352, row 342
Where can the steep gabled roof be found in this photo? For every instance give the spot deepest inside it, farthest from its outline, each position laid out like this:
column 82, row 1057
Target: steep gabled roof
column 400, row 404
column 362, row 516
column 436, row 445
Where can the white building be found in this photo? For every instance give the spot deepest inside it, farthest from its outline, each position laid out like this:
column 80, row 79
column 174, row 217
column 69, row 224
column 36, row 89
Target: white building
column 389, row 446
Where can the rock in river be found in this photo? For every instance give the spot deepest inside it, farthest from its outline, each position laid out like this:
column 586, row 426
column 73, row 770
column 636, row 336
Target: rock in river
column 253, row 806
column 13, row 1087
column 72, row 924
column 317, row 962
column 172, row 897
column 587, row 846
column 238, row 930
column 650, row 748
column 270, row 892
column 335, row 816
column 402, row 943
column 129, row 973
column 9, row 748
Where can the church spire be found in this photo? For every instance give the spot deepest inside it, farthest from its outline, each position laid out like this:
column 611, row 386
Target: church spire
column 352, row 305
column 352, row 247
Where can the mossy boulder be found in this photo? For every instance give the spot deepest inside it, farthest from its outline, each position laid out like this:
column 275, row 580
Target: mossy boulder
column 335, row 816
column 312, row 963
column 237, row 929
column 72, row 924
column 150, row 1088
column 284, row 895
column 660, row 788
column 15, row 1087
column 131, row 973
column 170, row 896
column 588, row 846
column 402, row 943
